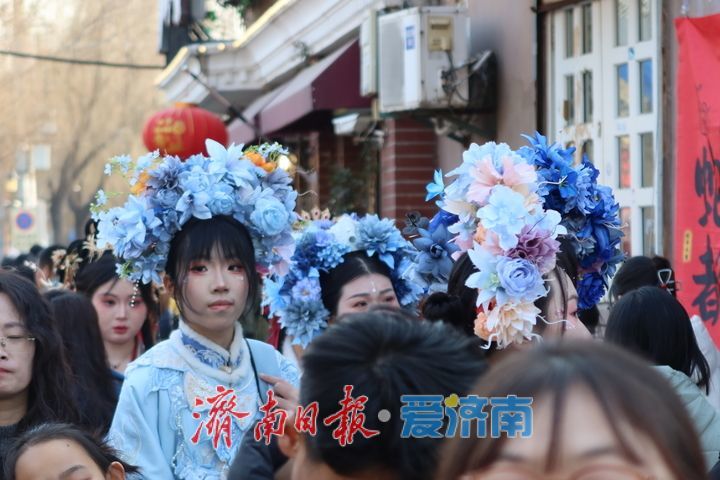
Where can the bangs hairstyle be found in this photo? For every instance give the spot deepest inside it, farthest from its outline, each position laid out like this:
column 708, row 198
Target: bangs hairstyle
column 355, row 265
column 49, row 392
column 96, row 274
column 626, row 389
column 198, row 240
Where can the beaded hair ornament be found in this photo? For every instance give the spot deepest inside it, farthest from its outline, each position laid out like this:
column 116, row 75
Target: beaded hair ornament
column 166, row 192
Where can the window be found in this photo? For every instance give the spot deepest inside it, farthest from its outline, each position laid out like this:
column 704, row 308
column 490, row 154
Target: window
column 646, row 84
column 587, row 28
column 623, row 153
column 626, row 224
column 569, row 33
column 569, row 100
column 623, row 91
column 648, row 228
column 645, row 27
column 622, row 9
column 587, row 151
column 646, row 156
column 587, row 96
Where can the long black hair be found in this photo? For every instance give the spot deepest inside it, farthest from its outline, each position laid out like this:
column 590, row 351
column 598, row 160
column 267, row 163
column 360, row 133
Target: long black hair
column 650, row 322
column 50, row 391
column 197, row 240
column 95, row 390
column 93, row 275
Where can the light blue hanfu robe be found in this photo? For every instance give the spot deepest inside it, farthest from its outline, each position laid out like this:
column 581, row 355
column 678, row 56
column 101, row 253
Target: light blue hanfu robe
column 164, row 404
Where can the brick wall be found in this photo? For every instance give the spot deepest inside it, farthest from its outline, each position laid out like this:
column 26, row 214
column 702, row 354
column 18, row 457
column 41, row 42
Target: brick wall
column 408, row 158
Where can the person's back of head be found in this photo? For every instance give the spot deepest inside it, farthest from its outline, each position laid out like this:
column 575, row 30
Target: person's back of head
column 382, row 354
column 457, row 306
column 652, row 323
column 596, row 409
column 636, row 272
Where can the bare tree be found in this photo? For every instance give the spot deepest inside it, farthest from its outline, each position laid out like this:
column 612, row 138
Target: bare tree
column 96, row 112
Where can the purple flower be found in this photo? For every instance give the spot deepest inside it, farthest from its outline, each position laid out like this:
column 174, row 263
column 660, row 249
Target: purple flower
column 536, row 246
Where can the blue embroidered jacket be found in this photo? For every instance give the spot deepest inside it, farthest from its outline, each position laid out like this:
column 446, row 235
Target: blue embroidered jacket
column 166, row 422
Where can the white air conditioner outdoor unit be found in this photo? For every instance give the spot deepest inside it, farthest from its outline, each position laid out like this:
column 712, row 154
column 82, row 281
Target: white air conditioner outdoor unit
column 423, row 55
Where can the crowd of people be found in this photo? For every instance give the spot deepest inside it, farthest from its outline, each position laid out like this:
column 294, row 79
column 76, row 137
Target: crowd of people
column 464, row 346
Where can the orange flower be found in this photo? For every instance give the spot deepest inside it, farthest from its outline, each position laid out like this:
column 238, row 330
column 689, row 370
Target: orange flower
column 480, row 326
column 479, row 236
column 140, row 184
column 268, row 167
column 255, row 157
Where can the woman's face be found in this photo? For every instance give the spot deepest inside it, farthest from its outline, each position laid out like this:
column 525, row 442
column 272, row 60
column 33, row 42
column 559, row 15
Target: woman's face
column 215, row 293
column 62, row 460
column 16, row 352
column 366, row 291
column 586, row 443
column 121, row 311
column 562, row 317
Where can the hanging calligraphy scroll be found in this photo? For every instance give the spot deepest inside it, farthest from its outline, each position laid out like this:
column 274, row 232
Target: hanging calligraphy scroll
column 697, row 172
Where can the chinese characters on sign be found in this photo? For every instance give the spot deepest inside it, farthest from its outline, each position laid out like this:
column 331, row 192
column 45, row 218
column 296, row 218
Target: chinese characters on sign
column 696, row 171
column 222, row 411
column 423, row 416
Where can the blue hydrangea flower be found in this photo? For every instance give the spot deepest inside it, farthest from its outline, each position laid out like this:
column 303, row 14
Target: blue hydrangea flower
column 505, row 214
column 222, row 184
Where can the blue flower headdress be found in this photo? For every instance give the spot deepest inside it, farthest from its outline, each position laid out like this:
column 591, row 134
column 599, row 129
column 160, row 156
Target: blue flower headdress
column 495, row 214
column 167, row 192
column 433, row 261
column 589, row 213
column 296, row 299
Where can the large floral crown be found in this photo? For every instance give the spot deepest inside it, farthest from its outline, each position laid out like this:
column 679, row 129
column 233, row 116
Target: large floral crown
column 494, row 211
column 296, row 299
column 589, row 213
column 167, row 192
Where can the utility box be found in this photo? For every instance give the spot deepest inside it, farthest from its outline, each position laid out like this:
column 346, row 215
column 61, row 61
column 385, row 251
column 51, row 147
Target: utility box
column 423, row 57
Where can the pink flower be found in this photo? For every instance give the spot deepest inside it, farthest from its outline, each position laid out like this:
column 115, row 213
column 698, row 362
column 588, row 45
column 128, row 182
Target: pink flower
column 521, row 177
column 537, row 246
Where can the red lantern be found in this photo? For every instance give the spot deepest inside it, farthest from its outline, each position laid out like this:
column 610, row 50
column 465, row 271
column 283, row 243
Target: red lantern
column 182, row 130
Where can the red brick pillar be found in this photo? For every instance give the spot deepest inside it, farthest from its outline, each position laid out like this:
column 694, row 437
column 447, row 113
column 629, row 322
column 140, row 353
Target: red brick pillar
column 407, row 161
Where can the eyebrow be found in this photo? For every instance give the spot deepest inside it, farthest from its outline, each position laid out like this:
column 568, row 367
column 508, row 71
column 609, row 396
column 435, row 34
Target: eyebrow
column 367, row 294
column 587, row 454
column 71, row 470
column 13, row 324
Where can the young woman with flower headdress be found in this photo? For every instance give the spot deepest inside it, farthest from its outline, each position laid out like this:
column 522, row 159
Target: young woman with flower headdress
column 504, row 213
column 212, row 225
column 342, row 266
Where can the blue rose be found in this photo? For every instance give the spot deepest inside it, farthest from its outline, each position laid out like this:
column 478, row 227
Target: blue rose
column 270, row 216
column 520, row 279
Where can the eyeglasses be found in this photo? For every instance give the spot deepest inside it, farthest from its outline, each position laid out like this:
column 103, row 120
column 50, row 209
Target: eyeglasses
column 592, row 472
column 15, row 343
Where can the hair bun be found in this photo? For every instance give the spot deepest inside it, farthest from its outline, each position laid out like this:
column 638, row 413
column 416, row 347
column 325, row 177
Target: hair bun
column 441, row 306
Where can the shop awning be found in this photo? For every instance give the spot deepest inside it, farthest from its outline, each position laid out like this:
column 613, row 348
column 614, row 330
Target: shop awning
column 330, row 84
